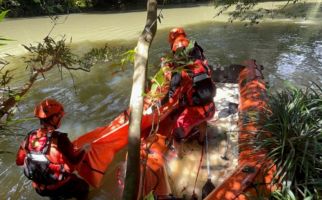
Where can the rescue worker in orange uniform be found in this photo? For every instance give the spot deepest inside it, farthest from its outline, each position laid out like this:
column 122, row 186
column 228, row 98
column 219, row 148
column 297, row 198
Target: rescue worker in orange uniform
column 192, row 87
column 48, row 156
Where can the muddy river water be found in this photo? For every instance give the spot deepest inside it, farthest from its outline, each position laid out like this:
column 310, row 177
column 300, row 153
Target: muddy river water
column 289, row 50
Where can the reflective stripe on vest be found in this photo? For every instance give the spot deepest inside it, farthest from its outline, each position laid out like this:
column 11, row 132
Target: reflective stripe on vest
column 38, row 157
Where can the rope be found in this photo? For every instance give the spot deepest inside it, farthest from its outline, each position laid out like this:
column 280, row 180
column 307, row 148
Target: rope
column 207, row 154
column 148, row 29
column 194, row 187
column 152, row 133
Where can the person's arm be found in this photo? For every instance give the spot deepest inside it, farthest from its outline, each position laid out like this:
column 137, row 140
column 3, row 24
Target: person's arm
column 174, row 85
column 21, row 154
column 197, row 52
column 67, row 149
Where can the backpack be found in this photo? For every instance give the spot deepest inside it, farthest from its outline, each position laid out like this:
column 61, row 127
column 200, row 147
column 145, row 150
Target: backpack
column 38, row 168
column 203, row 87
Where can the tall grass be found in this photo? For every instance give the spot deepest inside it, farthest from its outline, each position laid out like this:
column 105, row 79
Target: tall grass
column 292, row 137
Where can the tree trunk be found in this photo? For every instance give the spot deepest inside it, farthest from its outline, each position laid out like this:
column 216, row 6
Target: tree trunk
column 132, row 179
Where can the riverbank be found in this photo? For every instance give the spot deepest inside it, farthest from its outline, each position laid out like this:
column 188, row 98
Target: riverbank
column 110, row 26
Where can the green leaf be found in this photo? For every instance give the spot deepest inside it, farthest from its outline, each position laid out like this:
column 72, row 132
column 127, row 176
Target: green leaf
column 5, row 39
column 294, row 142
column 150, row 196
column 291, row 195
column 17, row 97
column 3, row 14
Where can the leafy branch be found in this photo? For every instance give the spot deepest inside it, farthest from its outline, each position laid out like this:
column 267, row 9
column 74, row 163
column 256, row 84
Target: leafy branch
column 171, row 63
column 42, row 58
column 244, row 10
column 122, row 59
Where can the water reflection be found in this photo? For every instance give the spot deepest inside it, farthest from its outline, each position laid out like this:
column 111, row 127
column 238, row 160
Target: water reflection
column 318, row 51
column 288, row 63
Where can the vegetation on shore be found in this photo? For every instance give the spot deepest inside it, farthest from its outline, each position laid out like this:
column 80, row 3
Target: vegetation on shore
column 292, row 138
column 243, row 9
column 23, row 8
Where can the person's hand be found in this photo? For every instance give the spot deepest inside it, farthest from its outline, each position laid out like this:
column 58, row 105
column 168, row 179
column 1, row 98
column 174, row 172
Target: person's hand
column 171, row 100
column 148, row 111
column 157, row 105
column 151, row 109
column 86, row 147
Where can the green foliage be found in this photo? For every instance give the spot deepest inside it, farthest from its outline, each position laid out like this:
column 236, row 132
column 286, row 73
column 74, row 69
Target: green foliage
column 42, row 58
column 171, row 63
column 49, row 53
column 292, row 136
column 59, row 54
column 150, row 196
column 22, row 8
column 6, row 76
column 2, row 16
column 158, row 82
column 38, row 7
column 244, row 10
column 96, row 55
column 82, row 3
column 3, row 39
column 121, row 59
column 285, row 194
column 128, row 57
column 181, row 57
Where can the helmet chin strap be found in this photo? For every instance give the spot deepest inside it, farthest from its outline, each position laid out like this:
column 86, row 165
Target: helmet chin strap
column 57, row 124
column 51, row 123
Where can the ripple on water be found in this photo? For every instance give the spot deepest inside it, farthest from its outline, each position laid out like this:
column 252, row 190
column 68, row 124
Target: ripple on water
column 288, row 63
column 318, row 51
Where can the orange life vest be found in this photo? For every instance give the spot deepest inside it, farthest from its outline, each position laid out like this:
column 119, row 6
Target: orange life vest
column 198, row 84
column 44, row 164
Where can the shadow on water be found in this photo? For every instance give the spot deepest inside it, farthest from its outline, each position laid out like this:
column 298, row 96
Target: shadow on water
column 303, row 10
column 289, row 52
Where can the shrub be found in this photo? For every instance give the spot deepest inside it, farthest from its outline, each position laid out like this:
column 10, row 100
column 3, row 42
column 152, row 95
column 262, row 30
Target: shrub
column 294, row 142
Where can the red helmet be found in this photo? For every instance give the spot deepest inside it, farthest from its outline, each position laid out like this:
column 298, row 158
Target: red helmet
column 174, row 33
column 179, row 42
column 48, row 108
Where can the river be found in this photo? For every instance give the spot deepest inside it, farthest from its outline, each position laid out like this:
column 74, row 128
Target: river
column 289, row 50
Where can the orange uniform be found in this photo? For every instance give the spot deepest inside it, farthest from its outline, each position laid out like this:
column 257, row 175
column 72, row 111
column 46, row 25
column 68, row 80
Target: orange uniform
column 192, row 87
column 48, row 157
